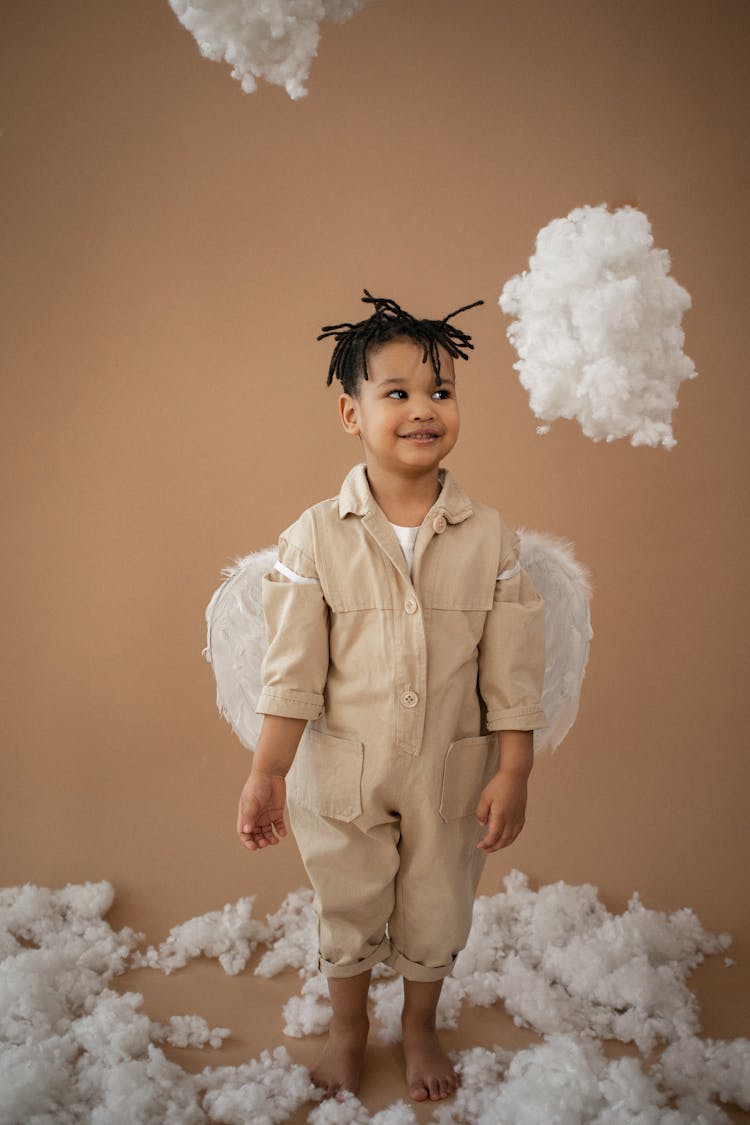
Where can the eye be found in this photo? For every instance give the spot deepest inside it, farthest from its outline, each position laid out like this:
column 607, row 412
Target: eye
column 443, row 391
column 398, row 391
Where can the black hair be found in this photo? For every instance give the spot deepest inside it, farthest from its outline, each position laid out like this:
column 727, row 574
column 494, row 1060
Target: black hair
column 388, row 322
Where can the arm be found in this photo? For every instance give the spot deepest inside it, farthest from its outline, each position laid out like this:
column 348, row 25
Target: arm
column 512, row 655
column 293, row 673
column 295, row 665
column 512, row 649
column 260, row 817
column 502, row 806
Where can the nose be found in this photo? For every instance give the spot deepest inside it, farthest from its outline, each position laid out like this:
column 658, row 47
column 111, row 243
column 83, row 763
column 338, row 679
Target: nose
column 422, row 406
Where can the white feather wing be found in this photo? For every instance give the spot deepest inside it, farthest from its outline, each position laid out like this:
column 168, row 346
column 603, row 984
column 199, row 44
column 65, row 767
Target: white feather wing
column 236, row 635
column 565, row 585
column 236, row 642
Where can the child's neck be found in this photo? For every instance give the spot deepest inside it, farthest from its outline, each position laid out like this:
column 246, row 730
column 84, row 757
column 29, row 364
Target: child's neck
column 404, row 502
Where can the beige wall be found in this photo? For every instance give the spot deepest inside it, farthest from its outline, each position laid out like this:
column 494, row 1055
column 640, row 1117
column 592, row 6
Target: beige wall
column 171, row 249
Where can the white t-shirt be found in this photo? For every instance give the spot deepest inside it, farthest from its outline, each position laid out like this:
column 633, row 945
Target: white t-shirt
column 407, row 537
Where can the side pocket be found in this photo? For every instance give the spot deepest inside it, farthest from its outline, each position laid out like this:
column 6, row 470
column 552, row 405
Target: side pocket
column 469, row 765
column 326, row 775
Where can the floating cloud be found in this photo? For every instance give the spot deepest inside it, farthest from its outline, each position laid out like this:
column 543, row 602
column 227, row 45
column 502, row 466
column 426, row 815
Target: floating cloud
column 598, row 327
column 272, row 39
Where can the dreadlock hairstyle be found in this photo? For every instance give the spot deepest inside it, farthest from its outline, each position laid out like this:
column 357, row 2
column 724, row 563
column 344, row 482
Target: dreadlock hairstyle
column 388, row 321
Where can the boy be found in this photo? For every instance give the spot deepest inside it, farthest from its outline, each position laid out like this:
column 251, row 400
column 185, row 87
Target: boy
column 403, row 634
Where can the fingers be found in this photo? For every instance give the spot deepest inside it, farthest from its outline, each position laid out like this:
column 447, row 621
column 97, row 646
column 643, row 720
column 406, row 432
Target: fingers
column 509, row 834
column 500, row 833
column 495, row 828
column 247, row 815
column 483, row 809
column 255, row 835
column 261, row 838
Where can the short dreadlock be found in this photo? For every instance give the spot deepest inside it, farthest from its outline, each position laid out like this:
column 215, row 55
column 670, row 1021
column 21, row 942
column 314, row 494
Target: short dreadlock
column 388, row 321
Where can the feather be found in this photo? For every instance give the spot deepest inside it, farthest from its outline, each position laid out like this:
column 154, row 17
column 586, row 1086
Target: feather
column 565, row 585
column 236, row 642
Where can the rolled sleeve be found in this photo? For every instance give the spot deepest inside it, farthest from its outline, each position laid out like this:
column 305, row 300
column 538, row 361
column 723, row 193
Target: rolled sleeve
column 512, row 650
column 295, row 664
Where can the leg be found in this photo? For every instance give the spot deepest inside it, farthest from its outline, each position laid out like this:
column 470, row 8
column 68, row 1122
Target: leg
column 352, row 868
column 429, row 1071
column 340, row 1065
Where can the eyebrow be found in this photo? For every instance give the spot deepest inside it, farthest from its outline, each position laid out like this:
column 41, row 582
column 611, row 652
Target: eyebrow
column 387, row 382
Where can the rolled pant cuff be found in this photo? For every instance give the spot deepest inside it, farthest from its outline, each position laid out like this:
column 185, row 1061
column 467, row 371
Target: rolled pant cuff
column 332, row 969
column 412, row 970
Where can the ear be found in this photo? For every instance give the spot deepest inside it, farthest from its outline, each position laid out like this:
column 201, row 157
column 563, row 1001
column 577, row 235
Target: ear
column 349, row 412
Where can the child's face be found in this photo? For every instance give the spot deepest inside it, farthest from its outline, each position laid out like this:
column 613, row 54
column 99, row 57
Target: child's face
column 400, row 398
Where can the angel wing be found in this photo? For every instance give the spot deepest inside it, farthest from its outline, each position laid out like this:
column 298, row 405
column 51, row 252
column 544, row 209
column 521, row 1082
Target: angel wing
column 236, row 642
column 236, row 635
column 565, row 585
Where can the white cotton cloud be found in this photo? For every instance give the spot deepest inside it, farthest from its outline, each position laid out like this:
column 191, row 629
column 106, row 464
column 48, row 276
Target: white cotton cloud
column 230, row 935
column 566, row 1080
column 73, row 1049
column 292, row 936
column 264, row 1091
column 310, row 1012
column 597, row 327
column 347, row 1109
column 556, row 958
column 708, row 1068
column 189, row 1031
column 272, row 39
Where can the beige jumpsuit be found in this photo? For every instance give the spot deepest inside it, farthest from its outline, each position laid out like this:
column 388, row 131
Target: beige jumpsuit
column 404, row 679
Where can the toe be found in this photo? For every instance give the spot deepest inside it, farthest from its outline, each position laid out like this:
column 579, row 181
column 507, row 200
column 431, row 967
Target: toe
column 418, row 1092
column 434, row 1086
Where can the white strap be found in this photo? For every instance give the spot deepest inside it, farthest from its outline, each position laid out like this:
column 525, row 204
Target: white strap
column 290, row 573
column 509, row 573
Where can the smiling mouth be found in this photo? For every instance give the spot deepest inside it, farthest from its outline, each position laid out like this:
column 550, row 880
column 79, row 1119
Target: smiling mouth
column 420, row 437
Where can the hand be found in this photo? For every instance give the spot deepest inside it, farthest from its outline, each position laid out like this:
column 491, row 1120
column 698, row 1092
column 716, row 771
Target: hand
column 260, row 817
column 502, row 808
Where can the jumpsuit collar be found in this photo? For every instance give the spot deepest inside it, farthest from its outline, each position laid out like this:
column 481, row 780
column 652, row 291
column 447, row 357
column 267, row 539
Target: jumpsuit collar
column 355, row 496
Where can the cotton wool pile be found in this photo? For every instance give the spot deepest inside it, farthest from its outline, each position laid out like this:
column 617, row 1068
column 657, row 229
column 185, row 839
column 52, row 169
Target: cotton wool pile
column 74, row 1050
column 598, row 327
column 272, row 39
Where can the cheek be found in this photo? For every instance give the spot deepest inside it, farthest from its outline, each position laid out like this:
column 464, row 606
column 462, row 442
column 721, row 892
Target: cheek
column 381, row 424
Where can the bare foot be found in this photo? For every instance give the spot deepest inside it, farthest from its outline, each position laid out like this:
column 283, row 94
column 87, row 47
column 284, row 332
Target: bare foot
column 340, row 1065
column 429, row 1071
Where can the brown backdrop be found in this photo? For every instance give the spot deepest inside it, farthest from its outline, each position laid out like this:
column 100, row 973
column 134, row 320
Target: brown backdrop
column 171, row 248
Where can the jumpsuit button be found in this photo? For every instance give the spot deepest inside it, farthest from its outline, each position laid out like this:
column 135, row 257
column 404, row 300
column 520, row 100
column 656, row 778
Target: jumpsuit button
column 409, row 698
column 438, row 524
column 410, row 605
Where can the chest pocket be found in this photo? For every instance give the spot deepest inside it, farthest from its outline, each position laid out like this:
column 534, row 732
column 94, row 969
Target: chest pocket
column 364, row 586
column 462, row 591
column 464, row 579
column 465, row 582
column 356, row 574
